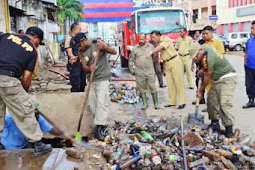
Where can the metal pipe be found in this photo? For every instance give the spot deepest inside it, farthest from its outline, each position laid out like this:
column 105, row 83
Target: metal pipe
column 183, row 147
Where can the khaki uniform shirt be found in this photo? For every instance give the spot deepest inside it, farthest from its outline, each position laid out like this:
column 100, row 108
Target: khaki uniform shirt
column 169, row 50
column 183, row 44
column 143, row 65
column 217, row 44
column 216, row 63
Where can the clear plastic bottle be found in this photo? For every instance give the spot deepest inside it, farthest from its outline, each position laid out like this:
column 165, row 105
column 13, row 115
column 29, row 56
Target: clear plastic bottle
column 203, row 160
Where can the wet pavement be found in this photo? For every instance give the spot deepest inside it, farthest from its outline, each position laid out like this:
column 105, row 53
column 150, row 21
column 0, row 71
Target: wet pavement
column 56, row 160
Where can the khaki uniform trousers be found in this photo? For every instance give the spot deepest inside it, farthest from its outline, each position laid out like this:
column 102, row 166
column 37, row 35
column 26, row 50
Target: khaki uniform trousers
column 145, row 82
column 15, row 98
column 99, row 101
column 175, row 81
column 187, row 66
column 219, row 101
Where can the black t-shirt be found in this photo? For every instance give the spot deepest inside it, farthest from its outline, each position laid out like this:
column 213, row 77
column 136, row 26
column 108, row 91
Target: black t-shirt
column 17, row 53
column 75, row 47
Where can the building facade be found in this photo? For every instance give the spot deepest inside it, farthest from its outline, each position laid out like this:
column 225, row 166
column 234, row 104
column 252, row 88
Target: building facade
column 235, row 15
column 200, row 11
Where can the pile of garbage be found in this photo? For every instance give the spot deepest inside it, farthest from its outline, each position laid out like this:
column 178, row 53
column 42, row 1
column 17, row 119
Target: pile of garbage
column 123, row 93
column 159, row 144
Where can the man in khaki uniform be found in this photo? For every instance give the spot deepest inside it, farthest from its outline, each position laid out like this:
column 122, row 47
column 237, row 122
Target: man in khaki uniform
column 182, row 46
column 144, row 71
column 217, row 68
column 173, row 68
column 18, row 57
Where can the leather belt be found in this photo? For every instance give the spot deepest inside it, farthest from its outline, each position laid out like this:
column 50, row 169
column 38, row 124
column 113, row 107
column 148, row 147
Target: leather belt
column 9, row 73
column 169, row 59
column 184, row 55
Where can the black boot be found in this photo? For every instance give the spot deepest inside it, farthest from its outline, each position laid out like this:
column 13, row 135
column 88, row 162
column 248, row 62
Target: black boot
column 229, row 131
column 41, row 148
column 215, row 125
column 100, row 132
column 250, row 103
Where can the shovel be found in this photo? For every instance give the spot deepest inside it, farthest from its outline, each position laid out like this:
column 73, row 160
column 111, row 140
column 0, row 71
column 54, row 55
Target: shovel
column 195, row 118
column 78, row 136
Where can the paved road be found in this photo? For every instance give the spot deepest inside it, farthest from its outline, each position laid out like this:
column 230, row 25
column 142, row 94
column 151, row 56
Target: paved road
column 244, row 118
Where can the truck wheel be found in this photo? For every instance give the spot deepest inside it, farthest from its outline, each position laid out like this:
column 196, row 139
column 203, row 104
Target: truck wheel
column 123, row 61
column 238, row 47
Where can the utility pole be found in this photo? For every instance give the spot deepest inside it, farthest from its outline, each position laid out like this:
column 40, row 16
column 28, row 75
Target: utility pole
column 7, row 16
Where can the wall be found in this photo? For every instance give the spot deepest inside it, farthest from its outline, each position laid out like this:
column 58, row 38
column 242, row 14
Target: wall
column 223, row 9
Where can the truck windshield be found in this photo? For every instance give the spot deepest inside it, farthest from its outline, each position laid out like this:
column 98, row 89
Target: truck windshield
column 164, row 21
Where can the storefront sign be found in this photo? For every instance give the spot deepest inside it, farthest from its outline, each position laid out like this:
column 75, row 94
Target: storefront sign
column 240, row 12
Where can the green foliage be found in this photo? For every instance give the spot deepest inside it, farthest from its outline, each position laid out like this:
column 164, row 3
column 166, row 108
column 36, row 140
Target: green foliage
column 69, row 8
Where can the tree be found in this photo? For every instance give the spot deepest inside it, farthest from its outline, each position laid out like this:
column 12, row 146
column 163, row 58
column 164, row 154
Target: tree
column 71, row 9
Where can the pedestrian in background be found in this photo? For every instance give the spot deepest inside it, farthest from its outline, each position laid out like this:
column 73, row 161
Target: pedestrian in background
column 197, row 36
column 173, row 68
column 144, row 71
column 182, row 45
column 249, row 62
column 21, row 32
column 74, row 65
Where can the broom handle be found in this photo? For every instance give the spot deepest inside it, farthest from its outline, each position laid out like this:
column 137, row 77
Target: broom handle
column 87, row 94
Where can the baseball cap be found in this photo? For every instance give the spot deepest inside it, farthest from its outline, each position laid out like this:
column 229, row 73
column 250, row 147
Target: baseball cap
column 193, row 50
column 79, row 37
column 36, row 31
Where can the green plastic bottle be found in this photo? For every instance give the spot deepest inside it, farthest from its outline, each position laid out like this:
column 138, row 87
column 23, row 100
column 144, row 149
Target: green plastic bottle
column 147, row 136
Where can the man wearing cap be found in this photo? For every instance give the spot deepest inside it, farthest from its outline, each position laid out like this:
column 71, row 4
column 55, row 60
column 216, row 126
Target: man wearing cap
column 219, row 102
column 99, row 98
column 74, row 66
column 18, row 57
column 144, row 71
column 182, row 46
column 173, row 69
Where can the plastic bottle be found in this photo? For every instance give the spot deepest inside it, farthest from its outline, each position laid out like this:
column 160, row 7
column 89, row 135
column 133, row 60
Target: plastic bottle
column 147, row 136
column 140, row 138
column 203, row 160
column 211, row 155
column 131, row 161
column 155, row 158
column 228, row 164
column 227, row 154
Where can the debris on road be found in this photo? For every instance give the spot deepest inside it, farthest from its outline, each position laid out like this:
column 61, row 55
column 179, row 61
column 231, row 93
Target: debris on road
column 156, row 144
column 123, row 93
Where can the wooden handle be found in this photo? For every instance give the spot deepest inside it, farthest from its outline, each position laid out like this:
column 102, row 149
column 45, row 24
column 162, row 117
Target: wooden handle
column 199, row 85
column 88, row 90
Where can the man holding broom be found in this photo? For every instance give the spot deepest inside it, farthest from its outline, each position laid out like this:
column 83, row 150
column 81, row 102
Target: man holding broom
column 94, row 59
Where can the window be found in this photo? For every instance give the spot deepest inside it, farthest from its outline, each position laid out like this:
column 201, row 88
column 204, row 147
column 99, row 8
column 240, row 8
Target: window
column 234, row 36
column 244, row 35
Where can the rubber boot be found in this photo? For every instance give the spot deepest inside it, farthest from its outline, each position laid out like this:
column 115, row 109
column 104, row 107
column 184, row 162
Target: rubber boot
column 100, row 132
column 41, row 148
column 229, row 131
column 215, row 125
column 145, row 101
column 250, row 103
column 155, row 100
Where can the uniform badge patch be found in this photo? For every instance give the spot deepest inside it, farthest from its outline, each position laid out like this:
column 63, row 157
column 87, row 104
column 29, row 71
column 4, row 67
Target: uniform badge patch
column 86, row 58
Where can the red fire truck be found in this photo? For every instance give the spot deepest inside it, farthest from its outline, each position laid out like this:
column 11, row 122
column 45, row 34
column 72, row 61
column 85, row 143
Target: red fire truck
column 168, row 21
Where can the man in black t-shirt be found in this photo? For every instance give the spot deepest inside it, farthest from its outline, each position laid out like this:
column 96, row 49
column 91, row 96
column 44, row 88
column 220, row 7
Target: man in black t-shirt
column 18, row 55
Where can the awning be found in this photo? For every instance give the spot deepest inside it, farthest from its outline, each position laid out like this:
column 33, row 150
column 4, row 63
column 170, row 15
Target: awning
column 16, row 11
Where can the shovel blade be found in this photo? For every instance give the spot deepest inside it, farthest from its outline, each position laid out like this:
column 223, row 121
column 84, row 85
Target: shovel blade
column 78, row 137
column 195, row 118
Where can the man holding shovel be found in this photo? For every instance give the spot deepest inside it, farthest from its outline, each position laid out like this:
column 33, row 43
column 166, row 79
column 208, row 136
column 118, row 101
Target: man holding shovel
column 99, row 94
column 217, row 68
